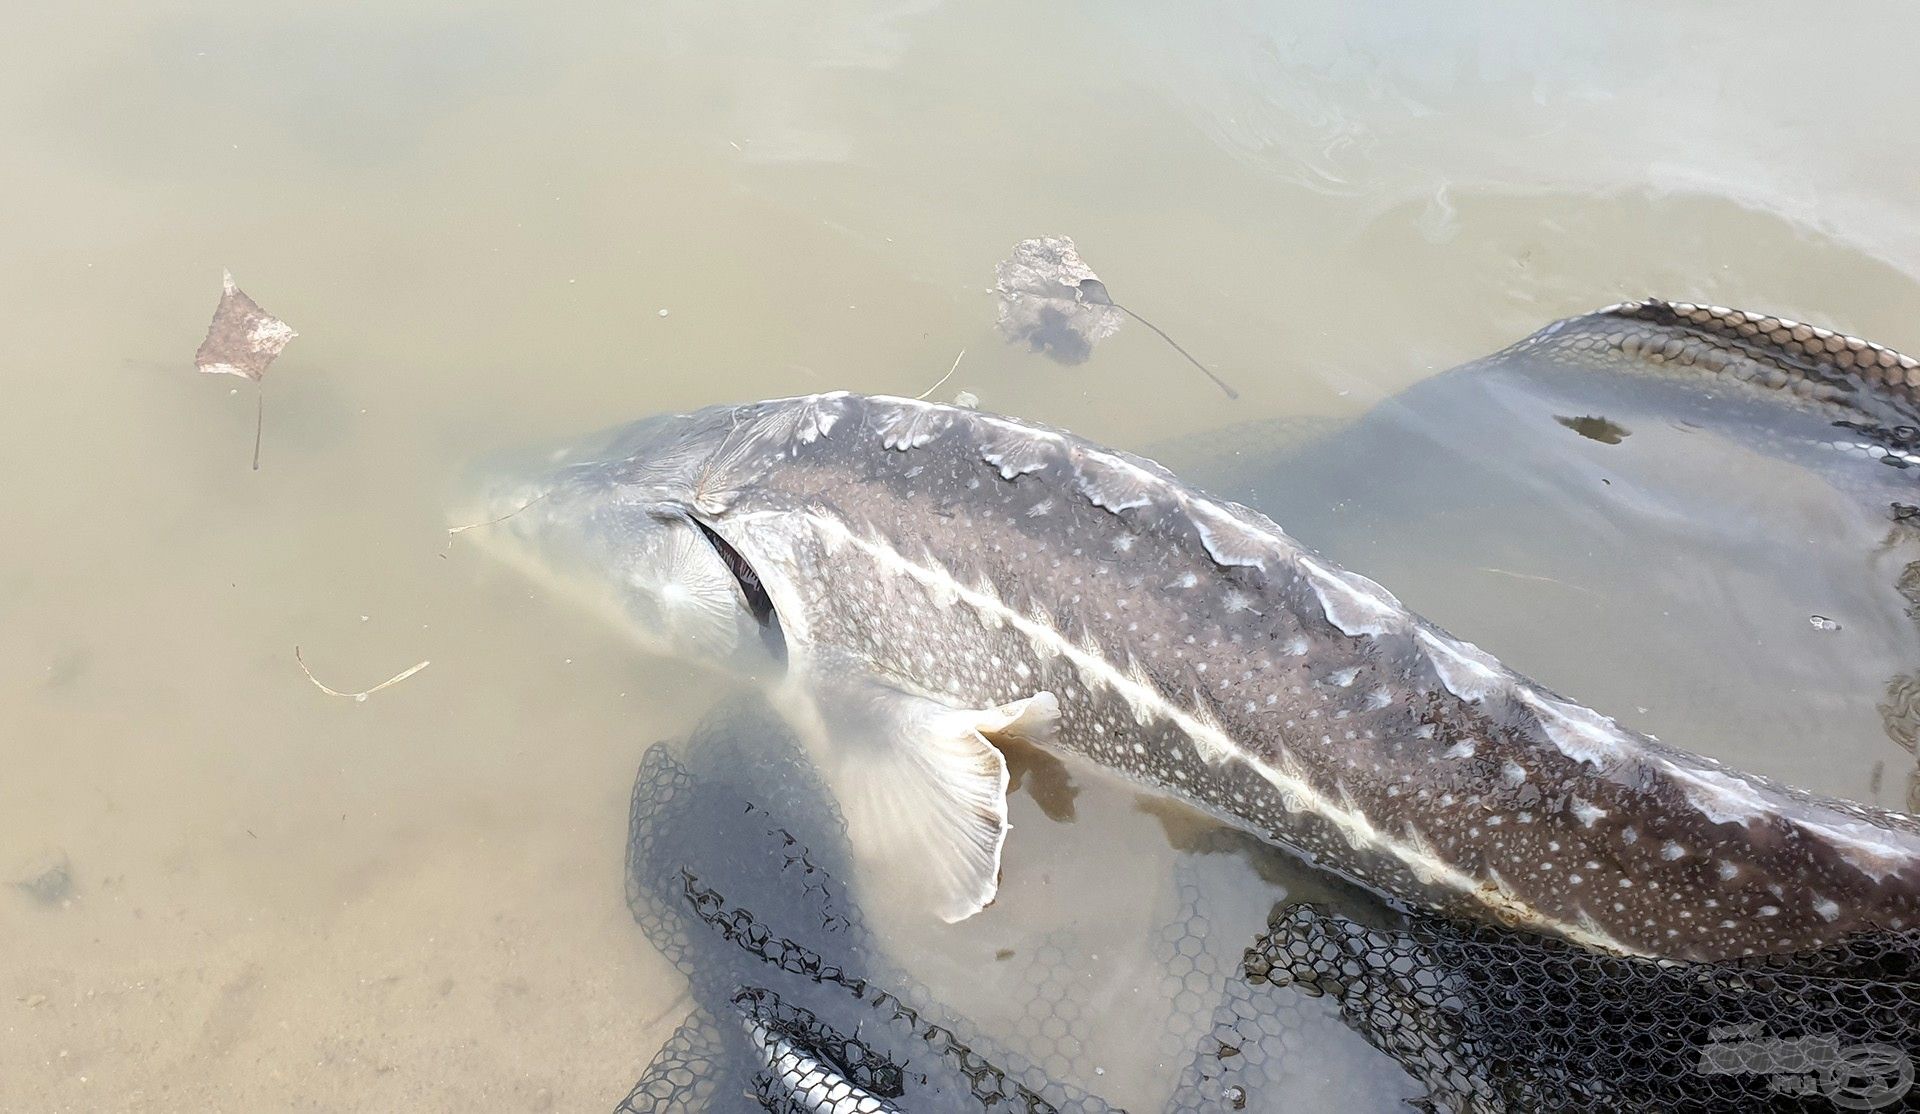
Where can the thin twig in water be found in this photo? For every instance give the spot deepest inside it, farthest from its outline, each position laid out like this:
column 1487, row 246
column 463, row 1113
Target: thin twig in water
column 944, row 378
column 1204, row 369
column 456, row 531
column 1536, row 577
column 665, row 1012
column 356, row 696
column 259, row 420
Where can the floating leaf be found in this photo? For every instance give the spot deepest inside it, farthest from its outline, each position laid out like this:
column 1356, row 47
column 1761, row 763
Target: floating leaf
column 1054, row 303
column 243, row 340
column 1041, row 302
column 1594, row 427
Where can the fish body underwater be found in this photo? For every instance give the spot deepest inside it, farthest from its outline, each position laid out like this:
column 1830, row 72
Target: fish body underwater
column 1648, row 535
column 918, row 580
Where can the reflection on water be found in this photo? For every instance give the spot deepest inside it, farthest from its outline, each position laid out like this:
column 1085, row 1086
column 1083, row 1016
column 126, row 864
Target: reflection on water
column 475, row 215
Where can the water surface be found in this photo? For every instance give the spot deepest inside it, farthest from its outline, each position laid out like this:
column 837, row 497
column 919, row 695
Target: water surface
column 474, row 216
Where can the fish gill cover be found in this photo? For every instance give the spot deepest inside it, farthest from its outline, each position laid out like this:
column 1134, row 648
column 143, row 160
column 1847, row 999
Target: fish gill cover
column 735, row 864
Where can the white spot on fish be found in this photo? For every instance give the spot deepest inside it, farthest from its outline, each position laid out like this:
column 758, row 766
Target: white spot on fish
column 1236, row 601
column 1581, row 734
column 1114, row 484
column 1016, row 450
column 1721, row 798
column 1467, row 671
column 1871, row 850
column 1229, row 541
column 1586, row 811
column 1351, row 602
column 806, row 420
column 911, row 424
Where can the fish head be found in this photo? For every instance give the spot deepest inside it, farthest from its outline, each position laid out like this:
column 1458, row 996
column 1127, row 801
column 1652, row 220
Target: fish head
column 624, row 522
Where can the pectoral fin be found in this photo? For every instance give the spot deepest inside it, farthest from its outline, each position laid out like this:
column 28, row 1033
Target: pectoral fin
column 922, row 787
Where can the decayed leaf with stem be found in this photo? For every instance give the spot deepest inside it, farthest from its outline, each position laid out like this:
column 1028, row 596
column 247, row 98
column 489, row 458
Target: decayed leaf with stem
column 1052, row 301
column 243, row 340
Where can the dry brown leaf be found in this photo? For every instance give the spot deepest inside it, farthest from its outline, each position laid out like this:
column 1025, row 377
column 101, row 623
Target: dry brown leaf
column 1043, row 306
column 243, row 340
column 1052, row 301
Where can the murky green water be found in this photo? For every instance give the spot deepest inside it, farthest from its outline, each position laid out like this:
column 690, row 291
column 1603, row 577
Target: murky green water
column 475, row 215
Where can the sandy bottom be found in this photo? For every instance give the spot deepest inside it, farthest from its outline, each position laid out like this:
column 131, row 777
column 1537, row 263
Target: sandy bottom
column 395, row 985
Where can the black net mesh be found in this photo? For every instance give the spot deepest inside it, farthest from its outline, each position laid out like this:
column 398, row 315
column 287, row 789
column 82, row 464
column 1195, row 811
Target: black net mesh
column 685, row 1075
column 794, row 999
column 734, row 865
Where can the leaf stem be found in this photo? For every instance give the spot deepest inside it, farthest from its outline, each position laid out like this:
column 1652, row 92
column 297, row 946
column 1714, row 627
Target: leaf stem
column 1204, row 369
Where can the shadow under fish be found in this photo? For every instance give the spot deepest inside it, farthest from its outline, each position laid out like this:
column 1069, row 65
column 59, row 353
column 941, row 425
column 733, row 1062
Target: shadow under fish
column 736, row 871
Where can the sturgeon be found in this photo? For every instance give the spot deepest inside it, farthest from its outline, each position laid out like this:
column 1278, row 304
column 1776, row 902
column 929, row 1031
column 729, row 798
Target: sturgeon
column 918, row 582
